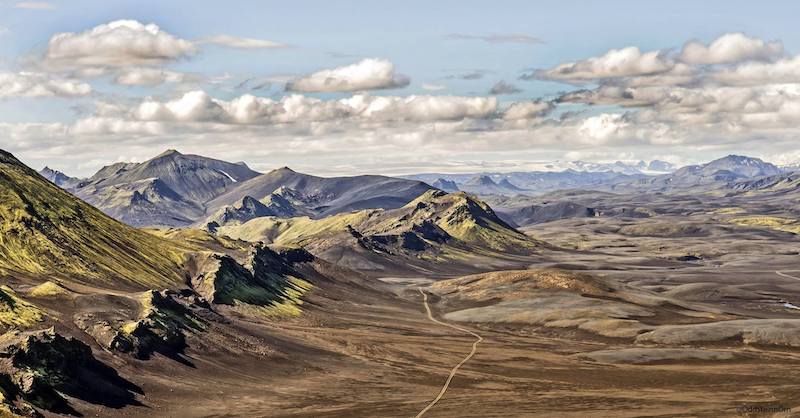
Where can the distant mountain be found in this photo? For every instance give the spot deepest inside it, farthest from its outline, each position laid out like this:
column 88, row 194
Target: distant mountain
column 529, row 183
column 283, row 203
column 445, row 185
column 322, row 196
column 780, row 182
column 195, row 178
column 148, row 202
column 741, row 166
column 485, row 185
column 58, row 178
column 168, row 190
column 506, row 184
column 49, row 232
column 717, row 174
column 178, row 190
column 653, row 167
column 657, row 166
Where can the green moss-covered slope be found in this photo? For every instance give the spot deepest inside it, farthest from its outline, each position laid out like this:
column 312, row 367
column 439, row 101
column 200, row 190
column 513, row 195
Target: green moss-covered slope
column 45, row 230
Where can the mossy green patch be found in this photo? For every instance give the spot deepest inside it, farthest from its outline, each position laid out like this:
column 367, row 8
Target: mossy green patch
column 49, row 289
column 17, row 313
column 287, row 304
column 771, row 222
column 730, row 211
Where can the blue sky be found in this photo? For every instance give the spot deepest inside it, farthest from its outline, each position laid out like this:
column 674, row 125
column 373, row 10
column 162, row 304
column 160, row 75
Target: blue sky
column 433, row 43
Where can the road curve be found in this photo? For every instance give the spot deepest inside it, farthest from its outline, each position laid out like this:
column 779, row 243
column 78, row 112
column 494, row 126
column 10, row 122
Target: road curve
column 788, row 276
column 454, row 369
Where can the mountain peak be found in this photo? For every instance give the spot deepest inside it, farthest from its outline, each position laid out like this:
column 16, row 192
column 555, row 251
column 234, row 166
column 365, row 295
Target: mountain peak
column 168, row 153
column 284, row 170
column 508, row 185
column 446, row 185
column 483, row 180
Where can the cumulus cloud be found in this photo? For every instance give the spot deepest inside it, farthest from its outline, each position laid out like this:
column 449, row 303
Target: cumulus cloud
column 782, row 71
column 497, row 38
column 731, row 47
column 40, row 85
column 726, row 96
column 199, row 106
column 240, row 43
column 625, row 62
column 114, row 126
column 501, row 87
column 367, row 74
column 120, row 43
column 528, row 110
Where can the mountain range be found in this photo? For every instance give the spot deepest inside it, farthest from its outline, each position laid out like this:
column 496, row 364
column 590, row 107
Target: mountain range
column 720, row 174
column 177, row 190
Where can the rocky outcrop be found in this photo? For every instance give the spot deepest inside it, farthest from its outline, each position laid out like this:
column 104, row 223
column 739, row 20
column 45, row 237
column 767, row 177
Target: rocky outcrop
column 263, row 278
column 37, row 367
column 160, row 325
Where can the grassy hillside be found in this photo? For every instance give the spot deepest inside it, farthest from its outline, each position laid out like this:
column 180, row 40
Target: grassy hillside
column 434, row 217
column 46, row 231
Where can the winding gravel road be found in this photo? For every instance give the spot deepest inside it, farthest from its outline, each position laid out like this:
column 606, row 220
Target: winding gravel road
column 788, row 276
column 454, row 370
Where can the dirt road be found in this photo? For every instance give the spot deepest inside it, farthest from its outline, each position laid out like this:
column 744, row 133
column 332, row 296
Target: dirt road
column 454, row 370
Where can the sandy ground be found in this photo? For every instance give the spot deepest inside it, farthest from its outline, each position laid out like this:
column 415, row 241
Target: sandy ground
column 383, row 357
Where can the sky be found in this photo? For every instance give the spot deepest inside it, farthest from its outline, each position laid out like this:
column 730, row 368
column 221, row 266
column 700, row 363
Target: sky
column 354, row 87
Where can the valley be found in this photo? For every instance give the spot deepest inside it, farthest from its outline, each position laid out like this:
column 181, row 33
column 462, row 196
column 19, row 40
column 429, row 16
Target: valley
column 377, row 303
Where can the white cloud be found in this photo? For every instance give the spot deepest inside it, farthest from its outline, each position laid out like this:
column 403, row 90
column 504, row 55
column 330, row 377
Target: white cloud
column 422, row 108
column 730, row 48
column 120, row 43
column 625, row 62
column 34, row 5
column 240, row 43
column 782, row 71
column 528, row 110
column 198, row 106
column 368, row 74
column 40, row 85
column 109, row 126
column 147, row 76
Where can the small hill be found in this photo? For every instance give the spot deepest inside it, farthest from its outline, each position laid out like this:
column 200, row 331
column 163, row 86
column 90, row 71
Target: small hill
column 556, row 299
column 546, row 212
column 283, row 203
column 431, row 229
column 44, row 230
